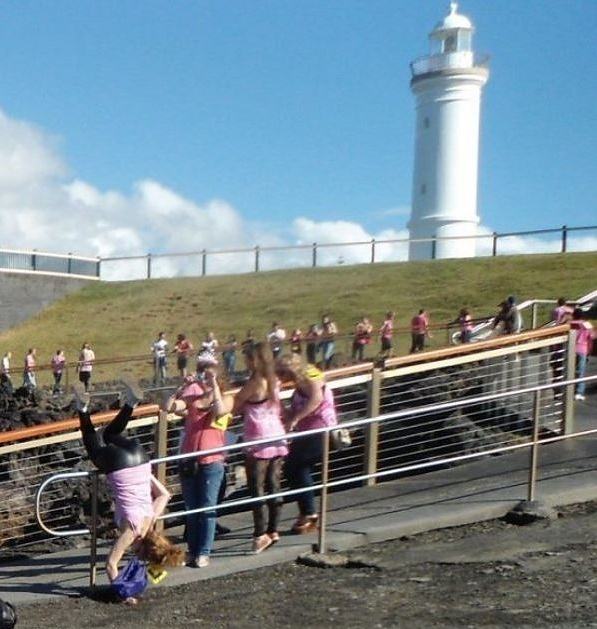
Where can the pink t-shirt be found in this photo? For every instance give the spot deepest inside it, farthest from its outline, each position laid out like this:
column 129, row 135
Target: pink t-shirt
column 199, row 435
column 29, row 362
column 466, row 324
column 324, row 415
column 262, row 420
column 387, row 329
column 560, row 313
column 584, row 336
column 131, row 489
column 58, row 363
column 418, row 324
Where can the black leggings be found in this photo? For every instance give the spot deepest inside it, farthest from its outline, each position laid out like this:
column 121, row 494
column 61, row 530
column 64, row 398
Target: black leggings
column 119, row 452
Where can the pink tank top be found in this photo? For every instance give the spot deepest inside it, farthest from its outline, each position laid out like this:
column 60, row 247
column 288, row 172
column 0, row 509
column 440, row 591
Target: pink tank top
column 200, row 435
column 260, row 421
column 324, row 415
column 131, row 489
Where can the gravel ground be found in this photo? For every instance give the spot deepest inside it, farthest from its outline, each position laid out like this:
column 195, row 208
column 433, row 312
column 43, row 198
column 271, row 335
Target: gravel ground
column 489, row 574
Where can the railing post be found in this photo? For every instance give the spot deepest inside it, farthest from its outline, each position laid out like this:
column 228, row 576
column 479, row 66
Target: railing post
column 564, row 238
column 534, row 315
column 323, row 501
column 314, row 256
column 149, row 266
column 433, row 248
column 34, row 261
column 372, row 429
column 93, row 529
column 257, row 251
column 69, row 264
column 494, row 245
column 372, row 250
column 203, row 262
column 98, row 268
column 161, row 450
column 569, row 374
column 534, row 454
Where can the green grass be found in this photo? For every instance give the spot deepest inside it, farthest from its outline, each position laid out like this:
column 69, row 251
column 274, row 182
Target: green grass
column 122, row 318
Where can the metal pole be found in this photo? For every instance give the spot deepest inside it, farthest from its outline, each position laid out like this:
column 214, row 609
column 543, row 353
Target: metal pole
column 314, row 262
column 534, row 316
column 149, row 266
column 323, row 505
column 93, row 529
column 372, row 430
column 534, row 454
column 203, row 262
column 372, row 250
column 98, row 268
column 34, row 261
column 494, row 249
column 433, row 248
column 161, row 450
column 564, row 238
column 257, row 259
column 569, row 374
column 69, row 268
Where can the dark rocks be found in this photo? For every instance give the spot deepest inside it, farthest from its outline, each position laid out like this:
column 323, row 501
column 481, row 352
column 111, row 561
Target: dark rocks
column 529, row 511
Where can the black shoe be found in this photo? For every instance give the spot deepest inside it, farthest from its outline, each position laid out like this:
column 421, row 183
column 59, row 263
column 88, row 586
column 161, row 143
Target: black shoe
column 221, row 530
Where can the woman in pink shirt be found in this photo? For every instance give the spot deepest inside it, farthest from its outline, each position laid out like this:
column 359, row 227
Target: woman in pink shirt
column 259, row 403
column 385, row 334
column 206, row 411
column 465, row 322
column 57, row 364
column 139, row 497
column 311, row 406
column 583, row 348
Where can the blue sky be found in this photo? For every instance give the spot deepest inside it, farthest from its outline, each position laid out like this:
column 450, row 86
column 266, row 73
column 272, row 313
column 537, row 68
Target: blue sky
column 288, row 108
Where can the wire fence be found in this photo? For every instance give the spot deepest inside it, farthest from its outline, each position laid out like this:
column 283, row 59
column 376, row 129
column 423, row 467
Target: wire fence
column 362, row 391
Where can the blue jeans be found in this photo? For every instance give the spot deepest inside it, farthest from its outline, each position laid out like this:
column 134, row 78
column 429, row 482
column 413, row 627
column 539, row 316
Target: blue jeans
column 200, row 489
column 305, row 453
column 229, row 362
column 581, row 369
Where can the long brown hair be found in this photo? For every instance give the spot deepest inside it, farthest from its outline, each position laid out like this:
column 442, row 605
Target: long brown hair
column 262, row 363
column 157, row 549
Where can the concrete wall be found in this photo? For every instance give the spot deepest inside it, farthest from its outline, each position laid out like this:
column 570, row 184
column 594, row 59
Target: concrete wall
column 23, row 295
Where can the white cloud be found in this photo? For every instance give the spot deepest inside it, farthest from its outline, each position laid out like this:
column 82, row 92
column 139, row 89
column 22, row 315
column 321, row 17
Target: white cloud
column 43, row 207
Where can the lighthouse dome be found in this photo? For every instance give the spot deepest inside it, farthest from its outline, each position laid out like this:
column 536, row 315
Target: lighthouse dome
column 452, row 21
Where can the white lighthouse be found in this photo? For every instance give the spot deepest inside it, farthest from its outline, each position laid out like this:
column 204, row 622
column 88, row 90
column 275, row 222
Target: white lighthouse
column 447, row 86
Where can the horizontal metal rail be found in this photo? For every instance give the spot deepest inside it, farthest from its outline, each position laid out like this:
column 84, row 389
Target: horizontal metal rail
column 358, row 423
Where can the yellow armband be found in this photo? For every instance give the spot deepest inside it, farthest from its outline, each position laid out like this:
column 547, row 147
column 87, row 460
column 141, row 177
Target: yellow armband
column 221, row 423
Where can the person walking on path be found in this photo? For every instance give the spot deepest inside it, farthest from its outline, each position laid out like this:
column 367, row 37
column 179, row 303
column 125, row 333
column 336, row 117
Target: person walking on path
column 583, row 348
column 259, row 403
column 139, row 497
column 183, row 349
column 362, row 338
column 85, row 365
column 57, row 363
column 276, row 338
column 465, row 322
column 210, row 343
column 159, row 349
column 386, row 332
column 329, row 332
column 312, row 343
column 419, row 331
column 5, row 378
column 229, row 356
column 311, row 406
column 29, row 380
column 206, row 412
column 562, row 313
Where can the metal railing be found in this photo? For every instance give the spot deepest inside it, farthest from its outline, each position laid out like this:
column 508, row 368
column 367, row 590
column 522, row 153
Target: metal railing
column 457, row 60
column 259, row 258
column 44, row 263
column 409, row 382
column 531, row 439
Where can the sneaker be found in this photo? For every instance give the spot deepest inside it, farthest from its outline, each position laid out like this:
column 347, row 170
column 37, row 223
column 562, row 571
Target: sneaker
column 261, row 543
column 133, row 393
column 305, row 524
column 275, row 537
column 202, row 561
column 580, row 397
column 82, row 398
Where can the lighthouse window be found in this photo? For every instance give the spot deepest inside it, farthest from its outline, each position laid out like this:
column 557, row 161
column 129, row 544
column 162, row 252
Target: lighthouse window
column 426, row 122
column 423, row 188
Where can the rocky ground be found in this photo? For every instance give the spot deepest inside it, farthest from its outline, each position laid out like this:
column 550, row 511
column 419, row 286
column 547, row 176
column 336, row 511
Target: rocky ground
column 489, row 574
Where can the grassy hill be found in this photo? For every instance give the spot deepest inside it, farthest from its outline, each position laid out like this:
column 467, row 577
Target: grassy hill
column 122, row 318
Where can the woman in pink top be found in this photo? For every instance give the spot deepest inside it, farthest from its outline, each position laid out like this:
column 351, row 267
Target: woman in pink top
column 259, row 403
column 583, row 348
column 385, row 334
column 57, row 364
column 312, row 406
column 139, row 497
column 206, row 411
column 465, row 322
